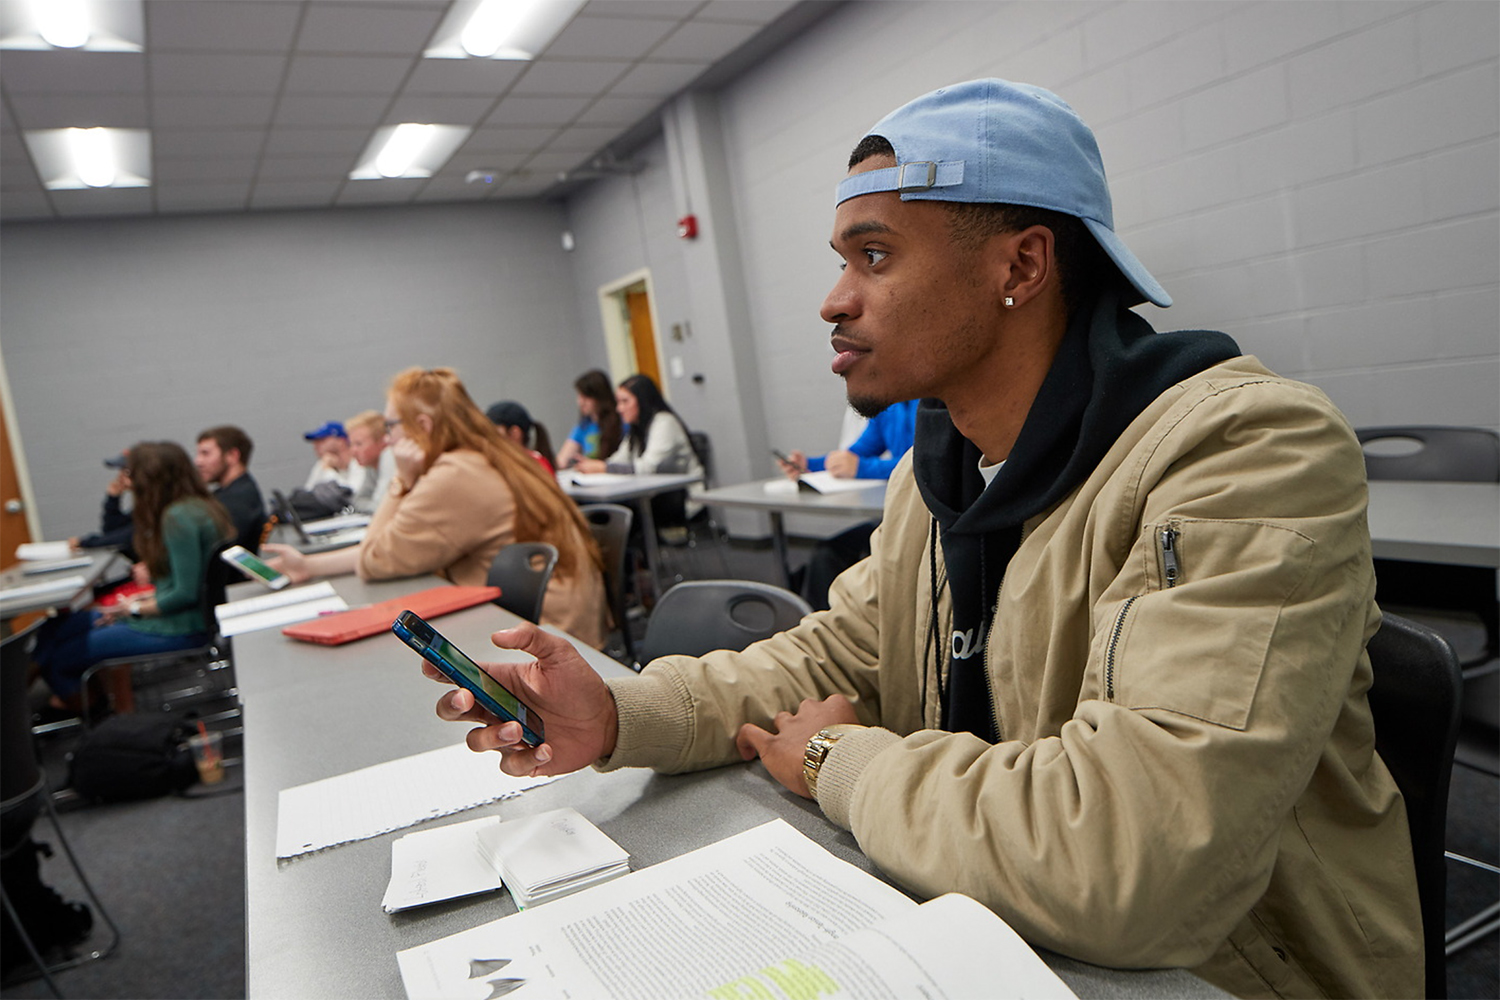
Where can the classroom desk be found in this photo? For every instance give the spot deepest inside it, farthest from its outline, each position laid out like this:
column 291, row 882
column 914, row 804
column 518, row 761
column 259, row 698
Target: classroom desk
column 1455, row 523
column 76, row 598
column 314, row 923
column 636, row 489
column 867, row 503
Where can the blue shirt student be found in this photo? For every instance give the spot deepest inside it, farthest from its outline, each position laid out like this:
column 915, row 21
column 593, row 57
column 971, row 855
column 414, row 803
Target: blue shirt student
column 891, row 430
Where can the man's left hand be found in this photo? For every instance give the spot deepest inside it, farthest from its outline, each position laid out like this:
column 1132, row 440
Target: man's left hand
column 782, row 750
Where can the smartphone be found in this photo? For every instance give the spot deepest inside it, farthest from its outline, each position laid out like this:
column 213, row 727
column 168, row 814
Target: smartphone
column 254, row 567
column 451, row 660
column 779, row 455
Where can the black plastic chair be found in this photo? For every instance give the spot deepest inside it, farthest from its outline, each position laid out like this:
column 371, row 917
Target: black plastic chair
column 700, row 616
column 1415, row 703
column 24, row 796
column 610, row 523
column 187, row 677
column 522, row 570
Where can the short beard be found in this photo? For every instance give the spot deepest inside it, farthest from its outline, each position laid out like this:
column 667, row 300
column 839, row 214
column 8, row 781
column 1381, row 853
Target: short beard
column 867, row 406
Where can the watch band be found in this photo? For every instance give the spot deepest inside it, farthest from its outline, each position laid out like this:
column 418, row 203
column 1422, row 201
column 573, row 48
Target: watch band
column 817, row 751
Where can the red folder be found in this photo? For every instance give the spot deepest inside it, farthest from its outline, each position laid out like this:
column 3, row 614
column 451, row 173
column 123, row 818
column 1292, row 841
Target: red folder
column 346, row 626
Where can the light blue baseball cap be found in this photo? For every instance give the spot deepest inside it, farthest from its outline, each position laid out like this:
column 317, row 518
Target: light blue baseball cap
column 996, row 141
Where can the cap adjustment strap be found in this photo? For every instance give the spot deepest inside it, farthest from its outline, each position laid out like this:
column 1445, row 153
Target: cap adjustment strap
column 918, row 175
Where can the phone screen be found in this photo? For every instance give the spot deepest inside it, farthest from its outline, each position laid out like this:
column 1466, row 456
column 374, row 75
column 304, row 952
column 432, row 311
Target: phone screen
column 454, row 662
column 255, row 568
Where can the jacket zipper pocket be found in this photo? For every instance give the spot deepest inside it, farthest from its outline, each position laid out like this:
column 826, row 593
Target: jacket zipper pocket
column 1109, row 651
column 1167, row 537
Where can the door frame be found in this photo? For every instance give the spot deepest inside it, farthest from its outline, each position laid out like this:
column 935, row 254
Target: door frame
column 615, row 320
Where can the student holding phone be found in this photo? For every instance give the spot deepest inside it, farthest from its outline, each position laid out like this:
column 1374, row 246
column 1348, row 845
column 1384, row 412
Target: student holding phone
column 177, row 526
column 463, row 491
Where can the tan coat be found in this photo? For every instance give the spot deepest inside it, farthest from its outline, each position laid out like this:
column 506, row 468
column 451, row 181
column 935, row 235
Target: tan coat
column 452, row 522
column 1186, row 774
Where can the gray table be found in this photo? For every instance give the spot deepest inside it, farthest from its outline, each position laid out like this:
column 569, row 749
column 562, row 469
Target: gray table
column 637, row 491
column 314, row 923
column 75, row 598
column 867, row 503
column 1454, row 523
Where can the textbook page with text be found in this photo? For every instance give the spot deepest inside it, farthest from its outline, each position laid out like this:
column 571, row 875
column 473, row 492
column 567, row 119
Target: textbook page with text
column 766, row 913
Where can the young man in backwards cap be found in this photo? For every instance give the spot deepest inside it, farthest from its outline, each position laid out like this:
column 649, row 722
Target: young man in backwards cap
column 1104, row 670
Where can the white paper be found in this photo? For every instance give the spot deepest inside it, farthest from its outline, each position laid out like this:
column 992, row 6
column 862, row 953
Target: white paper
column 279, row 607
column 826, row 482
column 767, row 908
column 38, row 566
column 551, row 854
column 328, row 525
column 386, row 797
column 596, row 478
column 444, row 863
column 66, row 585
column 43, row 550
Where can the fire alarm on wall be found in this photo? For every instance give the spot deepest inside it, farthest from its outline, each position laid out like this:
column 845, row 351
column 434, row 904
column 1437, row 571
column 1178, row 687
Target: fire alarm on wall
column 687, row 227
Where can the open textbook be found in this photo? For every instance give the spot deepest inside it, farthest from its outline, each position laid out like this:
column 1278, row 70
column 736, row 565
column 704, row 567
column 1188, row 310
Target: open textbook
column 820, row 482
column 766, row 914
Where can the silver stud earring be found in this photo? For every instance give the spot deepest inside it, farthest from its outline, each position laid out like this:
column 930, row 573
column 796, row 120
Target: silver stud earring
column 1009, row 302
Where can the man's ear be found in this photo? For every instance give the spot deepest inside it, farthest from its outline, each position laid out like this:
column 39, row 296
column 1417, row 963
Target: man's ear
column 1030, row 261
column 237, row 460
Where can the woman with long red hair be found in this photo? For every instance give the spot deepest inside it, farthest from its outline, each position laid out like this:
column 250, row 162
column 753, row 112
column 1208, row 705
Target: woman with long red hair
column 462, row 492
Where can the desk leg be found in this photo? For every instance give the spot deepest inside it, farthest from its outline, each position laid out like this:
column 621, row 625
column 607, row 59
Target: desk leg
column 648, row 538
column 778, row 545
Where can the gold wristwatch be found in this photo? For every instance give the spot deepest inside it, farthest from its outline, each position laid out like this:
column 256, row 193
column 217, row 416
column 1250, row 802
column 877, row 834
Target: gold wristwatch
column 817, row 751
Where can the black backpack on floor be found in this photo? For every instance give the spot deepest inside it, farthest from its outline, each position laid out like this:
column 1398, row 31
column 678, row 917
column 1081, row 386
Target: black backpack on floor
column 133, row 756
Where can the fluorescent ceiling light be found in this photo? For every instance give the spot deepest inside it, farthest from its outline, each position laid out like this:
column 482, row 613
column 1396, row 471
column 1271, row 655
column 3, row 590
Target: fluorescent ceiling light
column 78, row 25
column 61, row 23
column 500, row 29
column 408, row 150
column 71, row 159
column 93, row 156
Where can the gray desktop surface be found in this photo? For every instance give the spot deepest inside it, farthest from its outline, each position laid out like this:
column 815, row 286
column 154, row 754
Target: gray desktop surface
column 1456, row 523
column 315, row 926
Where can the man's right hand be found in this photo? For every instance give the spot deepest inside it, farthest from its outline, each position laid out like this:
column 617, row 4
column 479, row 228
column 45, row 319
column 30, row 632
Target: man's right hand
column 576, row 708
column 795, row 467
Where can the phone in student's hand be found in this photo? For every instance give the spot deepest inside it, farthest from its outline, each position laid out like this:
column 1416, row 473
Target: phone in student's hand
column 785, row 459
column 254, row 567
column 452, row 661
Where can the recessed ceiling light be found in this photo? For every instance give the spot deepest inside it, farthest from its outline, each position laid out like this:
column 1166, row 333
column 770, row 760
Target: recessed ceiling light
column 70, row 159
column 63, row 24
column 410, row 149
column 93, row 156
column 500, row 29
column 76, row 25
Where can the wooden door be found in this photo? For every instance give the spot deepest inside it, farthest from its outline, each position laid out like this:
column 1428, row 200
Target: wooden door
column 13, row 527
column 643, row 334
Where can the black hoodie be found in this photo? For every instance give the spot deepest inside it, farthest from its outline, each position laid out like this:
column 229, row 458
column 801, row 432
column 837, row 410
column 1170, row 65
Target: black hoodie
column 1110, row 365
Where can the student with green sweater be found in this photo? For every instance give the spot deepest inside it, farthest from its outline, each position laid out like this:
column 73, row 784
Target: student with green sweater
column 178, row 525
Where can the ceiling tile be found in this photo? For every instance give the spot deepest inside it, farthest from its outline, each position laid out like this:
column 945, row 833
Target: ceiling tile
column 621, row 111
column 166, row 172
column 392, row 191
column 671, row 10
column 748, row 11
column 505, row 139
column 554, row 163
column 464, row 76
column 104, row 201
column 56, row 72
column 219, row 73
column 222, row 197
column 78, row 111
column 224, row 25
column 525, row 186
column 312, row 109
column 12, row 147
column 294, row 194
column 346, row 74
column 434, row 110
column 184, row 111
column 554, row 77
column 537, row 111
column 704, row 40
column 316, row 142
column 375, row 28
column 303, row 168
column 206, row 144
column 18, row 205
column 16, row 176
column 657, row 79
column 583, row 138
column 452, row 189
column 608, row 38
column 461, row 163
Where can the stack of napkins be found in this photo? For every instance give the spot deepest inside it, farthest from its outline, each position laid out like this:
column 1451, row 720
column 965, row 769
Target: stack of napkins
column 551, row 855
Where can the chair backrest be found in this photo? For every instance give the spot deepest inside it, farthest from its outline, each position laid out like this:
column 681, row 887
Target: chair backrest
column 1452, row 454
column 19, row 773
column 521, row 570
column 1415, row 700
column 700, row 616
column 704, row 449
column 610, row 523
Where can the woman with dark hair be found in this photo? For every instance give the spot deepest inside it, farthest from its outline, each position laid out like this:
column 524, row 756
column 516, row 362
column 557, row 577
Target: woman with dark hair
column 462, row 492
column 177, row 527
column 600, row 427
column 657, row 442
column 515, row 422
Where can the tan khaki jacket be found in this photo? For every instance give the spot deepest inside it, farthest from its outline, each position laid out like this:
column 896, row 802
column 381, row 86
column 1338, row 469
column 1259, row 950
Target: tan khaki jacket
column 1186, row 774
column 452, row 522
